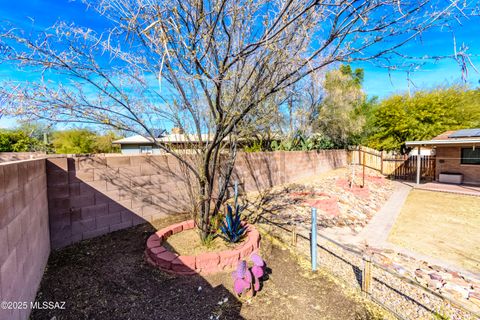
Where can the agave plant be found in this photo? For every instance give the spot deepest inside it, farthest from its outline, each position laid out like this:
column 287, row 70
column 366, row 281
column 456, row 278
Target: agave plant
column 247, row 280
column 232, row 228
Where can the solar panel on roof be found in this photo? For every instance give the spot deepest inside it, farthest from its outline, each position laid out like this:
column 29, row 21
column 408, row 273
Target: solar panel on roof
column 465, row 133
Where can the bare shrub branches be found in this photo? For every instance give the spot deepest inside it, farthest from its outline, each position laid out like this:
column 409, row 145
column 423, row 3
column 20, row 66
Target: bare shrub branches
column 205, row 66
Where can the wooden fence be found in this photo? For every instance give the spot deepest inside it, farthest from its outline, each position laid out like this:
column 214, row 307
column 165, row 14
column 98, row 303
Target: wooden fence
column 395, row 166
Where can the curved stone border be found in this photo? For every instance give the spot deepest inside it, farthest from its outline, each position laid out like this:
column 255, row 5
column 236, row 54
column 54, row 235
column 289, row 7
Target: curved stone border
column 205, row 263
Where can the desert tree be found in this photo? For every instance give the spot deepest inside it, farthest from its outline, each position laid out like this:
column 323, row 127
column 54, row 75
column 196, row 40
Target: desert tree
column 340, row 114
column 205, row 66
column 422, row 116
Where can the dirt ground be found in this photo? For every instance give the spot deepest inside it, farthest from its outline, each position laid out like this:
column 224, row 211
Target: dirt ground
column 188, row 243
column 107, row 278
column 441, row 225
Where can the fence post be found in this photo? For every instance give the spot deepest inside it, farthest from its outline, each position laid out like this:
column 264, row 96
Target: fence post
column 363, row 170
column 294, row 236
column 313, row 239
column 219, row 184
column 366, row 274
column 419, row 165
column 381, row 162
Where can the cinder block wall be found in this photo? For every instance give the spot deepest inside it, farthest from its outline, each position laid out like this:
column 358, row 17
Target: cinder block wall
column 91, row 196
column 24, row 234
column 16, row 156
column 451, row 163
column 59, row 201
column 260, row 170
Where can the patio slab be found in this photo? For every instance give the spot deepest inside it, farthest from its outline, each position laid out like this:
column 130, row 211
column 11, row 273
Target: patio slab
column 450, row 188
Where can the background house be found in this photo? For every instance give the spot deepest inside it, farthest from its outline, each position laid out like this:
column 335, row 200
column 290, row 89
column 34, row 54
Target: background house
column 457, row 155
column 139, row 144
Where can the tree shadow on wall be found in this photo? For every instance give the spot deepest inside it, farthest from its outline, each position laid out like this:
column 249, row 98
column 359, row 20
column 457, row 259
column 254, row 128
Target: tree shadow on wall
column 259, row 173
column 91, row 196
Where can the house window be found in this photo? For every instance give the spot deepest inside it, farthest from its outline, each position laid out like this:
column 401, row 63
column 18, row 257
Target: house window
column 470, row 156
column 146, row 149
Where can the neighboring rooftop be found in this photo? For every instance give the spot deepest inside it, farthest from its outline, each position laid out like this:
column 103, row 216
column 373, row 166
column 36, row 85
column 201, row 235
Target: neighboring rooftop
column 464, row 133
column 168, row 138
column 463, row 136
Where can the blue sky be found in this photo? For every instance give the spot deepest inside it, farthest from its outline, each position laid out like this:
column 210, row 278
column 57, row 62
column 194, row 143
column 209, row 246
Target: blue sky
column 378, row 81
column 443, row 72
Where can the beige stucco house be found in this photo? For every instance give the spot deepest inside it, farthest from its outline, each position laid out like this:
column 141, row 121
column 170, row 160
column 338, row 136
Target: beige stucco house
column 457, row 156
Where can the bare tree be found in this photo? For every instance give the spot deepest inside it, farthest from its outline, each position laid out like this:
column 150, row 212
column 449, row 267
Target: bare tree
column 204, row 66
column 303, row 100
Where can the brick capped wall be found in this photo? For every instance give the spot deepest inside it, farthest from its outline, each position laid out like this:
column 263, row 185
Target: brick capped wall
column 91, row 196
column 24, row 234
column 450, row 157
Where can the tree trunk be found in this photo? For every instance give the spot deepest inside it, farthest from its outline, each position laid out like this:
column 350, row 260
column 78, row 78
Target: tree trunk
column 204, row 209
column 210, row 206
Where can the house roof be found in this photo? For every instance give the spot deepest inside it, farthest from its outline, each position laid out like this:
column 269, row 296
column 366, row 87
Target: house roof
column 444, row 136
column 458, row 137
column 169, row 138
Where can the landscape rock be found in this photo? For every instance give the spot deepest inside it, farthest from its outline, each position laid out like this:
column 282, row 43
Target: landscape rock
column 456, row 290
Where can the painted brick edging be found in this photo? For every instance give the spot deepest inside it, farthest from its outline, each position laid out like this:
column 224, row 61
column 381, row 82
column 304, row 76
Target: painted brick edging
column 206, row 263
